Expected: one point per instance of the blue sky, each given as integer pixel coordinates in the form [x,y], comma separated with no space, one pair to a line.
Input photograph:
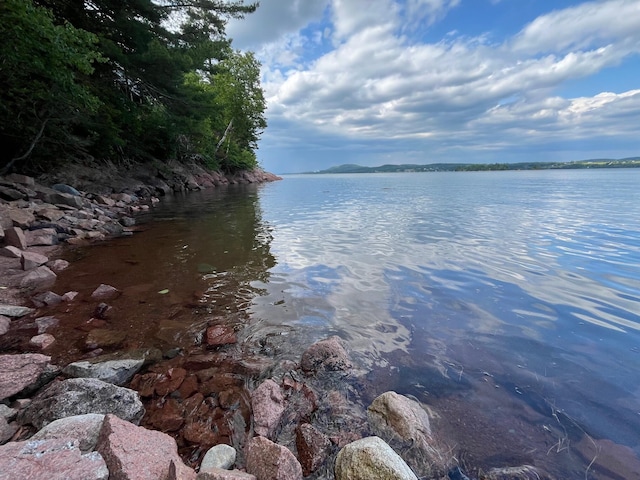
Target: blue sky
[426,81]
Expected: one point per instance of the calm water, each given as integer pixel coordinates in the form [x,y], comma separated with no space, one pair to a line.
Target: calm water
[509,301]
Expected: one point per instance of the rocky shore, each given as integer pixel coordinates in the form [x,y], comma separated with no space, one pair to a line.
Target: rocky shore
[223,410]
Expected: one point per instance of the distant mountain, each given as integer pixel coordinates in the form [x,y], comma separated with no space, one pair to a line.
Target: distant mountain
[631,162]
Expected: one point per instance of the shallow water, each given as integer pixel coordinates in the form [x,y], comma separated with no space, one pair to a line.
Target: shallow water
[509,301]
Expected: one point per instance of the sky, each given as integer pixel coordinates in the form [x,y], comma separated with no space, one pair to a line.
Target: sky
[373,82]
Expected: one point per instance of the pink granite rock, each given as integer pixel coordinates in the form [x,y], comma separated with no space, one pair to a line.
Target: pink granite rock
[328,354]
[42,341]
[11,252]
[39,279]
[27,371]
[58,265]
[14,237]
[105,292]
[221,474]
[313,447]
[49,459]
[268,404]
[270,461]
[42,236]
[133,452]
[31,260]
[5,323]
[220,335]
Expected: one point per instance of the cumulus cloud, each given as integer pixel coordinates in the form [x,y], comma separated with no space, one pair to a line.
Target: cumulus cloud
[372,83]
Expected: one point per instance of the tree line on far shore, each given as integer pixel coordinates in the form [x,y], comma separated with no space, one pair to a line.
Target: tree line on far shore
[126,81]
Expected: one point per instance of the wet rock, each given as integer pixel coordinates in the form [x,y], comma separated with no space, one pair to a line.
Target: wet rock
[268,404]
[221,474]
[270,461]
[31,260]
[42,341]
[170,381]
[133,452]
[105,292]
[328,354]
[523,472]
[78,396]
[127,222]
[21,217]
[83,428]
[24,373]
[104,338]
[219,456]
[369,458]
[167,416]
[46,299]
[11,252]
[48,459]
[39,279]
[14,237]
[14,310]
[102,311]
[405,425]
[313,447]
[218,335]
[58,265]
[42,236]
[117,372]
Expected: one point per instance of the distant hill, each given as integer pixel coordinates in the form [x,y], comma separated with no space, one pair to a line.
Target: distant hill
[631,162]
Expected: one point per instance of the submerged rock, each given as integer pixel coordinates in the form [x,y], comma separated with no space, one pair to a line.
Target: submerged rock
[328,354]
[313,447]
[268,404]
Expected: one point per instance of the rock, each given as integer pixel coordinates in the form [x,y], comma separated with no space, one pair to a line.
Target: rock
[102,337]
[14,310]
[105,292]
[5,323]
[220,335]
[11,252]
[221,474]
[39,279]
[22,179]
[42,236]
[7,430]
[21,217]
[50,459]
[24,373]
[48,195]
[117,372]
[14,237]
[369,458]
[50,213]
[267,403]
[48,298]
[61,187]
[78,396]
[133,452]
[11,194]
[523,472]
[127,222]
[58,265]
[69,296]
[42,341]
[31,260]
[167,416]
[83,428]
[404,425]
[270,461]
[219,456]
[46,323]
[328,354]
[313,447]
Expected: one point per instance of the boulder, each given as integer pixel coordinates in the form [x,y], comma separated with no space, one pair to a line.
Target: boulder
[42,341]
[14,237]
[31,260]
[7,430]
[24,373]
[118,371]
[48,195]
[328,354]
[58,265]
[405,425]
[45,299]
[221,474]
[39,279]
[369,458]
[133,452]
[21,217]
[83,428]
[5,323]
[78,396]
[11,194]
[14,310]
[46,323]
[11,252]
[270,461]
[50,213]
[313,447]
[105,292]
[219,456]
[21,179]
[42,236]
[268,404]
[50,459]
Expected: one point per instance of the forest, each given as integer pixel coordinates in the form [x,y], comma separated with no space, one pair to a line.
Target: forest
[126,81]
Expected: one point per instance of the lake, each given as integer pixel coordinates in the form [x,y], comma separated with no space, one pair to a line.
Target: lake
[507,301]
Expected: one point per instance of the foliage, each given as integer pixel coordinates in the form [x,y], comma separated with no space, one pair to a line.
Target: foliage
[122,81]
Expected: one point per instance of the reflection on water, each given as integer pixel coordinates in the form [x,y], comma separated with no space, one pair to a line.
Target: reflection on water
[508,300]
